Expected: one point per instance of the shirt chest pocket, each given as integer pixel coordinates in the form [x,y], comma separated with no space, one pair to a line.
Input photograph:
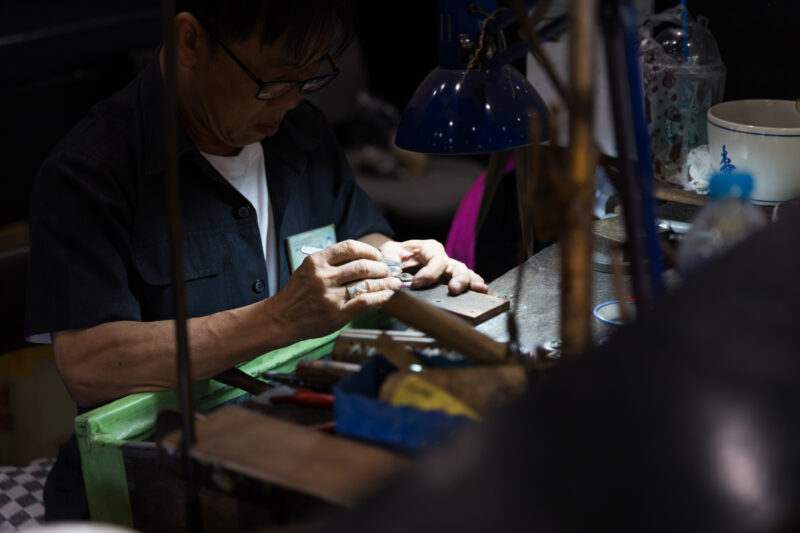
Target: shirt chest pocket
[204,256]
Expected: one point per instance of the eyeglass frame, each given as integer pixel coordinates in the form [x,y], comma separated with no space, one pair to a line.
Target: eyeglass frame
[291,83]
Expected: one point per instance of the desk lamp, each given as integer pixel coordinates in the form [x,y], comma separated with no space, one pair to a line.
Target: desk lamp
[474,101]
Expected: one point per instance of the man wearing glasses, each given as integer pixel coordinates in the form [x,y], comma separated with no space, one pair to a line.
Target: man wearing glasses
[258,165]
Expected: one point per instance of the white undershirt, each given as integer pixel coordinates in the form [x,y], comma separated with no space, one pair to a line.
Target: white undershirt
[247,173]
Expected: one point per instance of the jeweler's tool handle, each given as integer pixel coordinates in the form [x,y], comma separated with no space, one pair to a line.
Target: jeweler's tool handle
[315,399]
[447,328]
[324,371]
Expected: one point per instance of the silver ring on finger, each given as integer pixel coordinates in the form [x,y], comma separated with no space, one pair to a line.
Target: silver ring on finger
[355,288]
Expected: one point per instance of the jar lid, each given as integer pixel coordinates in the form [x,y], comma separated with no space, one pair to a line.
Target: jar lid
[701,47]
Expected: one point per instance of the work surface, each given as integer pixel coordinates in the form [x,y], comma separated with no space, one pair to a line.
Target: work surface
[333,469]
[539,306]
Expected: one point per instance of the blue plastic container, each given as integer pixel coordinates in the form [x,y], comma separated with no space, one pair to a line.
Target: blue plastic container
[360,414]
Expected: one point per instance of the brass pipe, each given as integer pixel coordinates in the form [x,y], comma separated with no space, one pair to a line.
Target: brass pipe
[576,280]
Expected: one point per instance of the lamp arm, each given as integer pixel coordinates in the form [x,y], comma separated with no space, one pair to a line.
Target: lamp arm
[504,17]
[549,32]
[531,36]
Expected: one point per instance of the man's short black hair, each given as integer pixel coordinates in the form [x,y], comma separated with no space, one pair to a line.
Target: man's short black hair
[309,25]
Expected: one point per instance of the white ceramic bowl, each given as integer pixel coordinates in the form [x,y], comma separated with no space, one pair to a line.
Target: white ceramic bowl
[761,137]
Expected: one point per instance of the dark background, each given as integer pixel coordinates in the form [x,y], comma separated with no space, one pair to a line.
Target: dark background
[757,40]
[59,57]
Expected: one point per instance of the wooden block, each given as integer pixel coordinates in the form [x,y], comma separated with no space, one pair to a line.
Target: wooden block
[475,307]
[451,329]
[334,469]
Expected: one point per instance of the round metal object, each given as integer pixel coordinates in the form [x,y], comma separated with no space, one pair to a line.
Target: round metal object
[355,288]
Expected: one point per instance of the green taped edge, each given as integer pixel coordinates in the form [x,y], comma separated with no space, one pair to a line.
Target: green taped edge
[102,431]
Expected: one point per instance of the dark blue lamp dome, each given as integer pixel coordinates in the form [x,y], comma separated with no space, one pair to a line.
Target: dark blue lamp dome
[470,111]
[459,110]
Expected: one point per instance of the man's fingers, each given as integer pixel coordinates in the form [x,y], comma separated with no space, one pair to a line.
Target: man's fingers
[432,255]
[368,301]
[348,251]
[465,282]
[478,284]
[463,279]
[457,268]
[459,277]
[378,285]
[430,273]
[400,251]
[458,285]
[436,263]
[361,269]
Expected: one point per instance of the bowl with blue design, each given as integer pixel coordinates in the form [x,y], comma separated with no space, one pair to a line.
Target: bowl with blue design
[760,137]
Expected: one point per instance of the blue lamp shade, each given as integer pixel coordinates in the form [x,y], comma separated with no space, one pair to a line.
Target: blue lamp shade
[471,111]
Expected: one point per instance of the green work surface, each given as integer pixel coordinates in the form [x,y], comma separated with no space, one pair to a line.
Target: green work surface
[102,431]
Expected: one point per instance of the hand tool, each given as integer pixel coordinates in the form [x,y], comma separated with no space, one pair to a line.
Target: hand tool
[297,383]
[315,399]
[324,371]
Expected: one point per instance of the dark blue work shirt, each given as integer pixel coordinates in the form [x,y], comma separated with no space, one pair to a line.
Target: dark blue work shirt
[99,235]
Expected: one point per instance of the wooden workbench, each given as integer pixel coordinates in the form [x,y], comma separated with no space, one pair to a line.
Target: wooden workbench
[538,308]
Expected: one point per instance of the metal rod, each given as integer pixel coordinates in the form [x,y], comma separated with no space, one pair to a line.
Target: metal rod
[172,184]
[535,45]
[576,279]
[630,184]
[627,16]
[619,284]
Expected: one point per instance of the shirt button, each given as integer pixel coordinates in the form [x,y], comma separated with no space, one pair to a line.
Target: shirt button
[243,212]
[258,286]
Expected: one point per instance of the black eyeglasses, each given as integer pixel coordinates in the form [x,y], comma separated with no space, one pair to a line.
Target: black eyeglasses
[268,90]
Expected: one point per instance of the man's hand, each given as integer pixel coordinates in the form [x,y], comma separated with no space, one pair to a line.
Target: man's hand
[435,264]
[315,301]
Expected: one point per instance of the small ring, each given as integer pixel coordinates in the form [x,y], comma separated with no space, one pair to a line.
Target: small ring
[356,288]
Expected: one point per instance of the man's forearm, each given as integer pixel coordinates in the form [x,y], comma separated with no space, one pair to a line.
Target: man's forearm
[115,359]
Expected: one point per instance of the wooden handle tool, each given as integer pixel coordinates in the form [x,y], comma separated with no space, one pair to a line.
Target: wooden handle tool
[445,327]
[324,371]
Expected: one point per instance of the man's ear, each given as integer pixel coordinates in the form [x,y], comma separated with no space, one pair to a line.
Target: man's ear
[191,39]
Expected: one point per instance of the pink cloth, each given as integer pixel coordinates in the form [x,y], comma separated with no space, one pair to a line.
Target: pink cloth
[460,242]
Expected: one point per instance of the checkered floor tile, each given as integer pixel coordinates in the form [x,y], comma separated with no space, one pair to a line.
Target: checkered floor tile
[21,503]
